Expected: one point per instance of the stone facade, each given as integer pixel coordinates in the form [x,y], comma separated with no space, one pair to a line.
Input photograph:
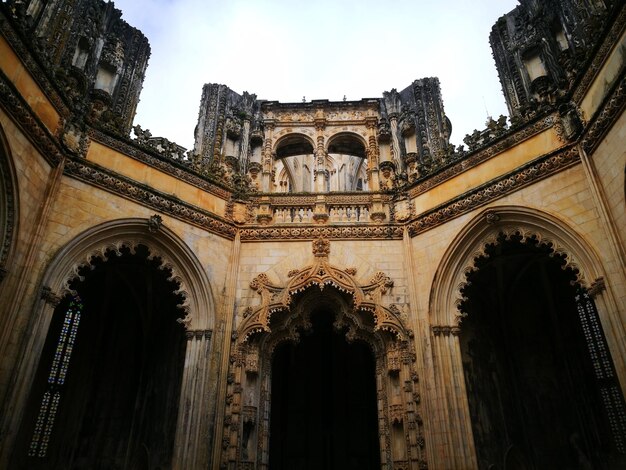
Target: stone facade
[282,210]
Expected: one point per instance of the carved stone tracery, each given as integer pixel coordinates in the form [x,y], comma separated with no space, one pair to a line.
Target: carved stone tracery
[284,313]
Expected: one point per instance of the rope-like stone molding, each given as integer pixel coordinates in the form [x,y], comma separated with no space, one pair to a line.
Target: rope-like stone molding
[373,232]
[605,119]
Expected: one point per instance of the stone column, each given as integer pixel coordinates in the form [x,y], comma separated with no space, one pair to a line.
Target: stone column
[191,446]
[268,162]
[320,156]
[395,143]
[452,412]
[372,153]
[245,146]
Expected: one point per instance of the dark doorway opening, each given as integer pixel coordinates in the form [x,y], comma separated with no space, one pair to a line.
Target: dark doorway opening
[536,400]
[118,391]
[324,413]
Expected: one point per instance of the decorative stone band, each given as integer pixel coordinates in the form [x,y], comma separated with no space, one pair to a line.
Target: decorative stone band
[12,102]
[149,197]
[506,142]
[600,57]
[39,74]
[610,113]
[527,174]
[373,232]
[169,166]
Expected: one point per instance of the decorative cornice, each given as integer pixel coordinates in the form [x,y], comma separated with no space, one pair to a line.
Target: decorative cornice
[506,184]
[173,168]
[600,57]
[277,232]
[504,143]
[13,103]
[611,111]
[36,70]
[149,197]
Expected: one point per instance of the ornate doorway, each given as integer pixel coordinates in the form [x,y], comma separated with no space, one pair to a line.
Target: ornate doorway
[323,376]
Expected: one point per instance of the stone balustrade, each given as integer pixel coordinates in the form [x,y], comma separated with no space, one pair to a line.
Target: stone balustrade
[321,209]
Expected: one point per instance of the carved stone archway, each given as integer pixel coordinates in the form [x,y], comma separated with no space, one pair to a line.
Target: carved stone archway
[486,229]
[8,206]
[197,317]
[283,315]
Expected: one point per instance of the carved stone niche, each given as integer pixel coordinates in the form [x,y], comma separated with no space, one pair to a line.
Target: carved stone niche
[284,315]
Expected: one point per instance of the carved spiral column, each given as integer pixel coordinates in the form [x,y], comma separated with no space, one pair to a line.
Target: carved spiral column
[245,146]
[452,413]
[267,155]
[320,157]
[395,143]
[191,444]
[373,153]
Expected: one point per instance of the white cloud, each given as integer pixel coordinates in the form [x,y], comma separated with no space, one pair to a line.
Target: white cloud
[324,49]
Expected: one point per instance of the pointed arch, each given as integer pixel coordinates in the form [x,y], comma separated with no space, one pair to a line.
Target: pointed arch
[198,304]
[459,259]
[8,204]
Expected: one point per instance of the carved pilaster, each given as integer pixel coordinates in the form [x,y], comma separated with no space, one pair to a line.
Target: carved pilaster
[190,450]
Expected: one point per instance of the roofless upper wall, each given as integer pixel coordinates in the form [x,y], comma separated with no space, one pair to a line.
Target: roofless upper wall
[396,134]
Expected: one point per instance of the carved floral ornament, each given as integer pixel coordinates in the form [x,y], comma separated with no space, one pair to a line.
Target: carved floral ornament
[365,297]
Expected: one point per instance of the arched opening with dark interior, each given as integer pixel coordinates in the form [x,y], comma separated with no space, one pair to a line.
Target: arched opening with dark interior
[108,383]
[540,381]
[324,405]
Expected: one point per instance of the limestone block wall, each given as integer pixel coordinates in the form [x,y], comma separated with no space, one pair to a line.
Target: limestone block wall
[33,173]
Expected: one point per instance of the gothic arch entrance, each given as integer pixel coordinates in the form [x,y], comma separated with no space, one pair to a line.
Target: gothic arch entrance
[296,350]
[324,409]
[540,380]
[107,387]
[193,316]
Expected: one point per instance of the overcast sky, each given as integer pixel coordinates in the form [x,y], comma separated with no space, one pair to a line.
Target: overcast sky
[320,49]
